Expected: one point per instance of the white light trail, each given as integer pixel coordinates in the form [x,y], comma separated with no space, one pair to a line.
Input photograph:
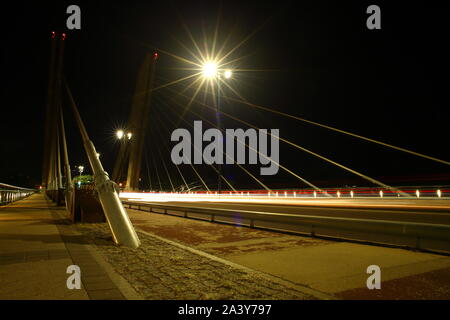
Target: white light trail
[310,200]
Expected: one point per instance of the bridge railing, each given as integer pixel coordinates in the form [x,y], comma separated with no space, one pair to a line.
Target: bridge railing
[403,192]
[9,193]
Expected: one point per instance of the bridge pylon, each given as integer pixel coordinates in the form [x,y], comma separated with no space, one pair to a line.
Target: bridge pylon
[138,121]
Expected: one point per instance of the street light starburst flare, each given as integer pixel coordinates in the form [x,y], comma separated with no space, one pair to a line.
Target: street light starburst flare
[209,69]
[228,74]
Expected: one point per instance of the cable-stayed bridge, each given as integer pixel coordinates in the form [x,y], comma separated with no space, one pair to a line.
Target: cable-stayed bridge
[414,212]
[146,182]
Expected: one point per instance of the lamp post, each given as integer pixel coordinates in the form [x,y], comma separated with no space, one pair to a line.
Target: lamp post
[80,169]
[118,167]
[210,71]
[119,134]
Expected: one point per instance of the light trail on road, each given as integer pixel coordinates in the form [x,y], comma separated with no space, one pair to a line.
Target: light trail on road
[307,201]
[342,212]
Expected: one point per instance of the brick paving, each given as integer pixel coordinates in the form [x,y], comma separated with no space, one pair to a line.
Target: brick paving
[433,285]
[37,245]
[336,268]
[160,270]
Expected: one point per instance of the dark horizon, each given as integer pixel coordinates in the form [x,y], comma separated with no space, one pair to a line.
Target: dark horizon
[316,60]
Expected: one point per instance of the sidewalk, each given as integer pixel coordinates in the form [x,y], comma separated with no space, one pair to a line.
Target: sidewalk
[185,259]
[36,247]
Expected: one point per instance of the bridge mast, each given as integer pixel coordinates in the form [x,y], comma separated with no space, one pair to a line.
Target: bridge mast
[48,115]
[138,120]
[51,167]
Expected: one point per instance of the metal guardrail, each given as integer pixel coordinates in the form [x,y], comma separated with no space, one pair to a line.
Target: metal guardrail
[10,193]
[417,231]
[402,192]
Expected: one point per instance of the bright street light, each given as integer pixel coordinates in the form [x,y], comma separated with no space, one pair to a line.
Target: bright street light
[228,74]
[129,135]
[119,134]
[210,70]
[80,169]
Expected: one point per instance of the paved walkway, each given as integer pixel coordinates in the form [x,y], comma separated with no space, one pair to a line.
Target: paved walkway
[187,259]
[37,246]
[335,268]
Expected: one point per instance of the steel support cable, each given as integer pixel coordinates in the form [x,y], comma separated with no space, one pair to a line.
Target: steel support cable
[339,130]
[192,166]
[168,150]
[157,174]
[146,141]
[217,171]
[240,166]
[148,170]
[58,151]
[162,160]
[281,166]
[210,165]
[69,186]
[65,152]
[165,168]
[196,172]
[312,153]
[52,172]
[160,155]
[328,160]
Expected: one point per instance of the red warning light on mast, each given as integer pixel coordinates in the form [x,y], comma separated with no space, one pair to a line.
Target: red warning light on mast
[155,55]
[53,34]
[63,36]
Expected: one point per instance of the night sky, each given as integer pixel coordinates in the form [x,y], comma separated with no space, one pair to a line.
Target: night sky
[313,59]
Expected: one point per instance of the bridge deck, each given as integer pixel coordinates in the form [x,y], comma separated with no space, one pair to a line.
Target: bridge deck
[187,259]
[335,268]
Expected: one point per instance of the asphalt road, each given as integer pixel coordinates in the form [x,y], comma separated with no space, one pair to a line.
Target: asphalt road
[408,211]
